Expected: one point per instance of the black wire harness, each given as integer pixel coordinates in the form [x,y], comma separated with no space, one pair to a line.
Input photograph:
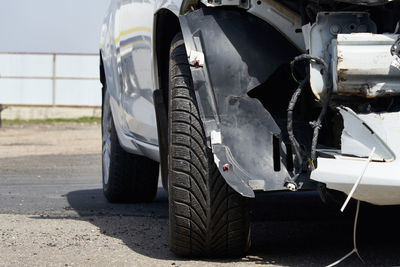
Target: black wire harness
[292,138]
[316,125]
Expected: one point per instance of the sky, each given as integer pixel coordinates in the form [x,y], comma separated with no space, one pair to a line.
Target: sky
[51,26]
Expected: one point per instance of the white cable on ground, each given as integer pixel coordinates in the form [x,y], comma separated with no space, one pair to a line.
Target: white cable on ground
[355,250]
[358,180]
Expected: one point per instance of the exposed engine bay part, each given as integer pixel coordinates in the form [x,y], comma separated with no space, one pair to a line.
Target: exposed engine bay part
[322,35]
[244,137]
[363,65]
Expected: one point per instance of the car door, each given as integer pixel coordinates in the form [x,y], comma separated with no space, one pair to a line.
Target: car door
[137,84]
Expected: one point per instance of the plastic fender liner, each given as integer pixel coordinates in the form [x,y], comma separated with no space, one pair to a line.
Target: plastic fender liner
[230,53]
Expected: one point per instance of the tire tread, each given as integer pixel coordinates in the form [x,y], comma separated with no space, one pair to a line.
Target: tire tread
[207,217]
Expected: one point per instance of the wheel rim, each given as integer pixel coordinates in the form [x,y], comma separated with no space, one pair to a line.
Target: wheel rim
[106,138]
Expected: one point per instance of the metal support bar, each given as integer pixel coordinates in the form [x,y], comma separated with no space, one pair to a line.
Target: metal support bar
[51,75]
[54,78]
[47,78]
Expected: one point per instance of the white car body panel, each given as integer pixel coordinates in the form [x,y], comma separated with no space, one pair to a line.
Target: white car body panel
[380,183]
[127,51]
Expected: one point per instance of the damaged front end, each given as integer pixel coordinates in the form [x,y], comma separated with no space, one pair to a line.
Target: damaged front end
[231,54]
[274,123]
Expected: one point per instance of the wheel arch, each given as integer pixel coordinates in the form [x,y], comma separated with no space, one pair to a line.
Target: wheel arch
[242,59]
[232,52]
[166,26]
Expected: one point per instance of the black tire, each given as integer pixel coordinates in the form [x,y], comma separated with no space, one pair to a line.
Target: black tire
[127,178]
[207,218]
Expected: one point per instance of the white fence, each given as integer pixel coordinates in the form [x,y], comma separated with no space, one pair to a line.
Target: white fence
[49,79]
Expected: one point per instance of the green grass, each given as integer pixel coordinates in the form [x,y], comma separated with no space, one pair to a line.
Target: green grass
[50,121]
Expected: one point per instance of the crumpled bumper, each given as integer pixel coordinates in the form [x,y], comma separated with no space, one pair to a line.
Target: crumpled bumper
[380,183]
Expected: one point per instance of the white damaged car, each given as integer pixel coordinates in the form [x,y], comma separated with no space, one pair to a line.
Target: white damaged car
[233,97]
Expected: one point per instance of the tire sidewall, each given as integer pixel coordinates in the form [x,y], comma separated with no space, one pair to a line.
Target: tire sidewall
[106,115]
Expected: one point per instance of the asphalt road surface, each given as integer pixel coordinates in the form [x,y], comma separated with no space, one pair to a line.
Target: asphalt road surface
[53,213]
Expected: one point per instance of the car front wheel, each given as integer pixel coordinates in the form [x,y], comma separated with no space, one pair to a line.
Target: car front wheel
[207,218]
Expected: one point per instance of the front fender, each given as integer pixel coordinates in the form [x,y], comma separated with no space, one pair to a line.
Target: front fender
[231,52]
